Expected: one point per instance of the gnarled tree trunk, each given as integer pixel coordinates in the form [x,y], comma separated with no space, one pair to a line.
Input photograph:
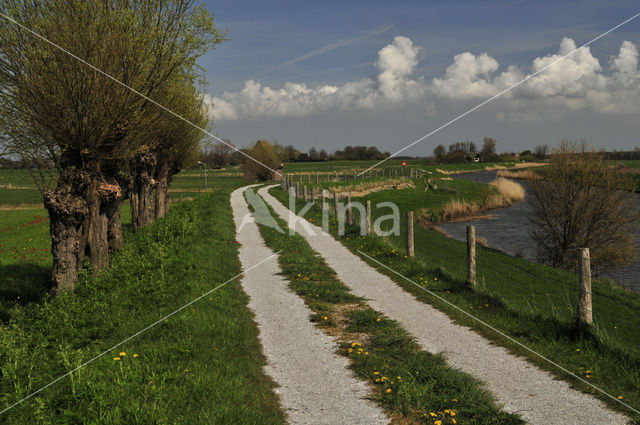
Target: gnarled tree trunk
[97,230]
[67,209]
[142,191]
[162,189]
[113,211]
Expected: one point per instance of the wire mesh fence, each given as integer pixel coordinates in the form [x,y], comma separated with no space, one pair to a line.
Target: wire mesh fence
[535,303]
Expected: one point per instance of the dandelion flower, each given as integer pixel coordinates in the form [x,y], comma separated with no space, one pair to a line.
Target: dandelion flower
[116,358]
[388,390]
[376,373]
[378,319]
[135,355]
[619,397]
[433,414]
[437,423]
[122,354]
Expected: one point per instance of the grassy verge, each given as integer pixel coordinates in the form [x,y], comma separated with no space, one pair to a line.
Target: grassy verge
[413,385]
[530,302]
[202,365]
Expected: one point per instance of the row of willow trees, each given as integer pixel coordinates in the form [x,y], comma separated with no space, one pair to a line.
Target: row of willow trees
[81,82]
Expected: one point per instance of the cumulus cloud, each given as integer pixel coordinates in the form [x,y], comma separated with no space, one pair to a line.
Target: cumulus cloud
[577,82]
[396,64]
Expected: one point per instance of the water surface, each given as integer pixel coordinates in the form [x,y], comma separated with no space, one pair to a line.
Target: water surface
[510,232]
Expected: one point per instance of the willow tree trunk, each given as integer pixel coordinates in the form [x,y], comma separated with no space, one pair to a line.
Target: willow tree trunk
[113,210]
[67,208]
[162,189]
[142,193]
[97,231]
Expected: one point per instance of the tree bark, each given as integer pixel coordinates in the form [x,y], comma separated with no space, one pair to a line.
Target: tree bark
[67,210]
[97,230]
[162,189]
[142,192]
[113,210]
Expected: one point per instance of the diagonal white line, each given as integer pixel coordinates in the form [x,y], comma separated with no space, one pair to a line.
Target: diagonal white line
[499,332]
[135,91]
[138,333]
[502,92]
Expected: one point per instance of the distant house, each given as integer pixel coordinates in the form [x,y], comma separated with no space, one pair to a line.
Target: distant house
[477,157]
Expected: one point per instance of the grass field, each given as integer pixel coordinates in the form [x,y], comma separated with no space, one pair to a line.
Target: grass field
[202,365]
[412,385]
[533,303]
[25,258]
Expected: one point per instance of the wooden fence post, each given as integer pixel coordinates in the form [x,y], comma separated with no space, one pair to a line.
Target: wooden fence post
[410,247]
[368,206]
[335,204]
[313,194]
[471,254]
[305,193]
[585,309]
[298,190]
[349,211]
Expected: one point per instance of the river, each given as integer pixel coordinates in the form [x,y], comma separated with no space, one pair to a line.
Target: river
[510,231]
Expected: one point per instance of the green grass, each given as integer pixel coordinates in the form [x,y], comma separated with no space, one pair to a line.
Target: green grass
[533,303]
[202,365]
[25,258]
[379,349]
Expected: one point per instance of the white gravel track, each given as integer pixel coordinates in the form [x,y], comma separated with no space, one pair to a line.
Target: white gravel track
[314,383]
[517,384]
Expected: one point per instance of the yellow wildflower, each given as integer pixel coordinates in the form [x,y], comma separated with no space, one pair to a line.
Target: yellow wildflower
[116,358]
[122,354]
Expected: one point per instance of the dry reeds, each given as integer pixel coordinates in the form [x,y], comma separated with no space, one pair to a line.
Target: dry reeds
[523,174]
[495,167]
[510,190]
[456,209]
[530,164]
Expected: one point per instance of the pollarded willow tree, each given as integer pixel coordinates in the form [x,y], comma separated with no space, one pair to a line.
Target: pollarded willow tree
[72,118]
[172,144]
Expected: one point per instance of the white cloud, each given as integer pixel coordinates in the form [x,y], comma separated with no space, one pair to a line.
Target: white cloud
[396,63]
[577,82]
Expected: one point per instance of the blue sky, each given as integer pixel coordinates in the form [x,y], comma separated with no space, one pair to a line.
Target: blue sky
[334,48]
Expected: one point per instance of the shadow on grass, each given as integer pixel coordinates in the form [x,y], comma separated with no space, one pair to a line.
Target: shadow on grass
[22,284]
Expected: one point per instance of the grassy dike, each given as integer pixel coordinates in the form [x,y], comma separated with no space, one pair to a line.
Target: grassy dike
[412,385]
[200,366]
[609,358]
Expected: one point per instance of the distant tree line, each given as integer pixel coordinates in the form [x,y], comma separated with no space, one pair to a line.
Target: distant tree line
[219,156]
[623,155]
[460,152]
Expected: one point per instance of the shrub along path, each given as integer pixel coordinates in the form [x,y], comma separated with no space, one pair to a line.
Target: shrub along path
[521,387]
[315,385]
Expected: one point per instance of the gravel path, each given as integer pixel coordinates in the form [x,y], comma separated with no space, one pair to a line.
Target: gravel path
[315,385]
[518,385]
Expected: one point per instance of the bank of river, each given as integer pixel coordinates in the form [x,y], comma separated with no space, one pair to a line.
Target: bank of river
[510,231]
